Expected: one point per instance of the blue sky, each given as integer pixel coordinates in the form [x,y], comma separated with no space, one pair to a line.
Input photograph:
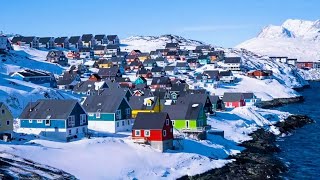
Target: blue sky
[225,22]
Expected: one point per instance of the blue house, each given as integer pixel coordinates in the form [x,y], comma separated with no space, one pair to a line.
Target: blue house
[109,112]
[57,119]
[36,77]
[204,59]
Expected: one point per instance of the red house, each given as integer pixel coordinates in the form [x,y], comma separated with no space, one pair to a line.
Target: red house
[233,100]
[155,129]
[260,74]
[302,65]
[95,77]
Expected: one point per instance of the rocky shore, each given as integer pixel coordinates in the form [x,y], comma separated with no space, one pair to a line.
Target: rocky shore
[258,160]
[280,102]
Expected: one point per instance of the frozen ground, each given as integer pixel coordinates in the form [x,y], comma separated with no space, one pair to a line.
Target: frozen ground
[110,156]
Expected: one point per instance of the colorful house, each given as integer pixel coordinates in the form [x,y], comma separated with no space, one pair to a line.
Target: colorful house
[233,99]
[154,129]
[260,74]
[108,112]
[204,59]
[189,116]
[6,123]
[57,119]
[148,104]
[61,42]
[140,80]
[36,77]
[173,46]
[250,99]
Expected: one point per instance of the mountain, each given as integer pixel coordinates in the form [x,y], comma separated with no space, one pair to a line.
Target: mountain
[150,43]
[294,38]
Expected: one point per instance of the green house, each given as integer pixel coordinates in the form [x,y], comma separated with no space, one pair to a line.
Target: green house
[140,80]
[187,116]
[204,59]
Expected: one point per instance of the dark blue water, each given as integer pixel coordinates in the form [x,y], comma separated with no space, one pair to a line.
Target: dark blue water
[301,150]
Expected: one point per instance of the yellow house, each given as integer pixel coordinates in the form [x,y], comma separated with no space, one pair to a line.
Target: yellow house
[104,63]
[6,122]
[143,56]
[144,104]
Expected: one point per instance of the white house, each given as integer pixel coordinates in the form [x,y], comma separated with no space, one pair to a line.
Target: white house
[232,63]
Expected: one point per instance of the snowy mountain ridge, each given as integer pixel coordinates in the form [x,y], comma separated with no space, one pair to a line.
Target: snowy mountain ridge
[151,43]
[294,38]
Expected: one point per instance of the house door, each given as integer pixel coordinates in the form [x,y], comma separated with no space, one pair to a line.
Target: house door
[187,124]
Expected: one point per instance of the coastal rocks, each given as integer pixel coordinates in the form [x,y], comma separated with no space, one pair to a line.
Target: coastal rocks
[258,160]
[280,102]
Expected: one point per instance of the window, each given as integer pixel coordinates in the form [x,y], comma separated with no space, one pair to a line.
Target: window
[164,133]
[69,132]
[30,121]
[117,124]
[137,132]
[2,111]
[83,119]
[71,121]
[98,115]
[47,122]
[167,122]
[147,133]
[128,111]
[77,131]
[8,122]
[122,123]
[187,124]
[39,121]
[128,122]
[118,114]
[172,122]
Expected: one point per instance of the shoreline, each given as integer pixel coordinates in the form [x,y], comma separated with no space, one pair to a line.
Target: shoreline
[280,102]
[258,160]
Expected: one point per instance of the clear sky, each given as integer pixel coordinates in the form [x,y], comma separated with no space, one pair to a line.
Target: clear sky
[220,22]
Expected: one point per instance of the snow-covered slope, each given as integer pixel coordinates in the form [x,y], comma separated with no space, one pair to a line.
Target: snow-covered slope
[151,43]
[294,38]
[15,93]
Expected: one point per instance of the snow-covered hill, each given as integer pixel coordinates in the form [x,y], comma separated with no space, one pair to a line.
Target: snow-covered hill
[294,38]
[151,43]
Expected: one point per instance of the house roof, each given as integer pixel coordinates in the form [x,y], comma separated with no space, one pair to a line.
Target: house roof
[86,37]
[207,47]
[112,71]
[103,102]
[232,60]
[159,59]
[135,63]
[85,49]
[160,80]
[60,40]
[55,53]
[99,37]
[169,68]
[232,97]
[67,78]
[212,74]
[85,86]
[49,108]
[150,120]
[178,87]
[142,71]
[149,61]
[137,102]
[182,64]
[113,46]
[157,69]
[172,45]
[183,111]
[214,99]
[203,57]
[28,39]
[44,40]
[225,73]
[193,98]
[32,73]
[172,53]
[117,59]
[248,95]
[74,39]
[99,48]
[131,57]
[16,39]
[162,50]
[192,60]
[143,54]
[111,37]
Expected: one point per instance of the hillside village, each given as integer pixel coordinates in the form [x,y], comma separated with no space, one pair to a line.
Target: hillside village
[157,98]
